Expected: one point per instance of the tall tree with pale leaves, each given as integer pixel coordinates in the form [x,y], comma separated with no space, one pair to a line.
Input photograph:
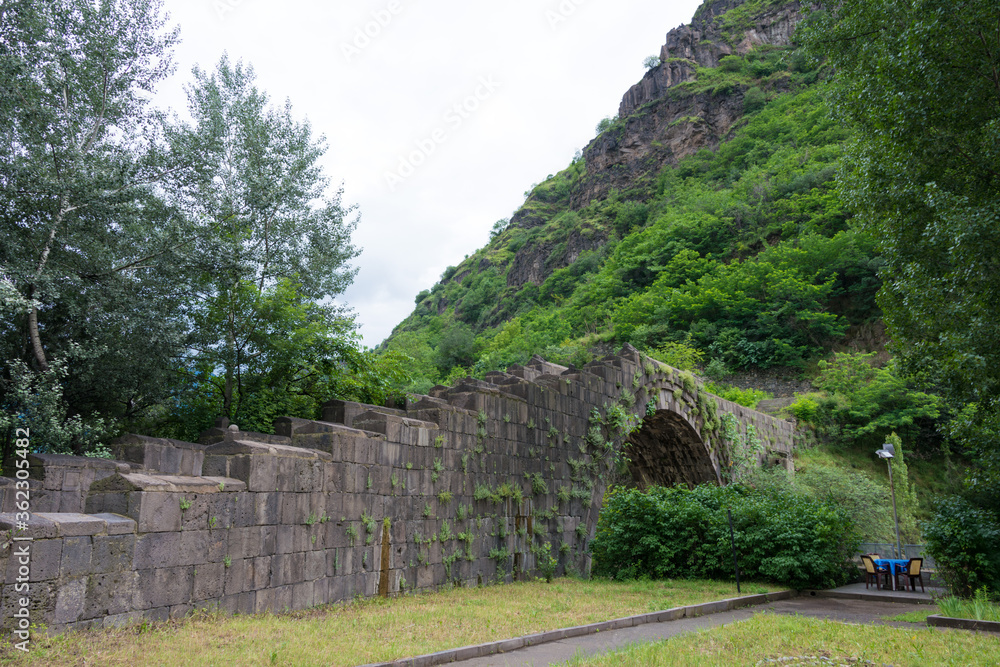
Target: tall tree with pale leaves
[86,246]
[274,244]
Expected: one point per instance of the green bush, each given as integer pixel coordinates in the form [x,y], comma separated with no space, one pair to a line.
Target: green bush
[963,540]
[679,355]
[805,409]
[867,502]
[781,535]
[753,99]
[746,397]
[731,63]
[865,403]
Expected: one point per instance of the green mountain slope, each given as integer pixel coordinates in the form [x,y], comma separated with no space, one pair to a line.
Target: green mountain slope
[703,225]
[703,221]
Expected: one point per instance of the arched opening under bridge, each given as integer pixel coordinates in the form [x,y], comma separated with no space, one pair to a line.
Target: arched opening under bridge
[668,450]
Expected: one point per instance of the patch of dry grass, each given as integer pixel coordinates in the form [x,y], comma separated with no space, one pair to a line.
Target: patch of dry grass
[373,630]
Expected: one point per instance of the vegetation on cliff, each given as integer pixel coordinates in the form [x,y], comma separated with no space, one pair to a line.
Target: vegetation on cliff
[744,253]
[763,241]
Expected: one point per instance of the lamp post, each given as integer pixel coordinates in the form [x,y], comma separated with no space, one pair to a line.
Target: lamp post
[887,452]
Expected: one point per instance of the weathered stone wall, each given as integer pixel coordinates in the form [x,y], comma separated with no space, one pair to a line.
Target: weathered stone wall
[471,484]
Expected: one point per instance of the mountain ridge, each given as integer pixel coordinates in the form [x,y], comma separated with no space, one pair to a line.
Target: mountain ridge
[697,168]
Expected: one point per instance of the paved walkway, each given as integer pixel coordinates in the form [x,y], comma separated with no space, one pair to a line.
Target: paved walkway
[839,604]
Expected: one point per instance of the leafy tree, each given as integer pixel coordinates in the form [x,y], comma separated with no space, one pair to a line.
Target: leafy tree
[275,245]
[867,404]
[499,227]
[917,82]
[606,123]
[963,539]
[456,348]
[87,250]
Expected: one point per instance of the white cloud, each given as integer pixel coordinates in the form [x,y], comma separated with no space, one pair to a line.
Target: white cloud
[557,79]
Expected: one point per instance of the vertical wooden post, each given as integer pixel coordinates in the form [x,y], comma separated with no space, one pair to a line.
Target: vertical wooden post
[383,581]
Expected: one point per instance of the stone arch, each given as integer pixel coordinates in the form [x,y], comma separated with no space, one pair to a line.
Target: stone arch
[669,450]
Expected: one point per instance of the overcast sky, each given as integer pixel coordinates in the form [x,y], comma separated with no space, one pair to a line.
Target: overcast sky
[439,114]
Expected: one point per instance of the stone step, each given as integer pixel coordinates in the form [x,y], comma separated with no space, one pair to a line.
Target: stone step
[345,412]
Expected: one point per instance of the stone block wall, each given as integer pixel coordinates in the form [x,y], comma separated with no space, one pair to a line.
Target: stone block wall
[472,484]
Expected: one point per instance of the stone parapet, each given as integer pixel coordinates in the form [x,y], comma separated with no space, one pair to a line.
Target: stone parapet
[469,485]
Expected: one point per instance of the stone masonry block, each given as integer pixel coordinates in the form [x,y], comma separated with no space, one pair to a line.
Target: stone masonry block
[267,508]
[155,511]
[158,550]
[302,541]
[45,560]
[285,542]
[286,474]
[194,548]
[263,473]
[113,553]
[308,475]
[334,472]
[38,527]
[209,581]
[315,565]
[76,557]
[289,508]
[163,587]
[71,600]
[260,573]
[288,569]
[110,594]
[303,595]
[116,524]
[244,510]
[237,576]
[268,540]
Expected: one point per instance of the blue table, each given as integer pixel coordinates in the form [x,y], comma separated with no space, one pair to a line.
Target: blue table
[892,564]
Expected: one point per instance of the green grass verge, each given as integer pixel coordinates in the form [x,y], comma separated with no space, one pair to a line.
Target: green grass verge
[373,630]
[774,639]
[979,608]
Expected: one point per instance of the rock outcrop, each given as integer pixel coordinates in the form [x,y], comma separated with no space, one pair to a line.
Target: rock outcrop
[705,41]
[661,121]
[658,127]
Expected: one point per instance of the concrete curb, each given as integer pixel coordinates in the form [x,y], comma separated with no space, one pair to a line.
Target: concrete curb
[869,597]
[962,623]
[507,645]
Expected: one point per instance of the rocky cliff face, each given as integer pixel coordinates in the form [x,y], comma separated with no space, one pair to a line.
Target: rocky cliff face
[658,127]
[706,40]
[660,122]
[670,129]
[535,262]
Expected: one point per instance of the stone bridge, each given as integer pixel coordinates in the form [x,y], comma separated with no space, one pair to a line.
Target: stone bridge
[470,484]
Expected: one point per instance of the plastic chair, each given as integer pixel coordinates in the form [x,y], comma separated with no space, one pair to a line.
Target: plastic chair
[872,571]
[914,571]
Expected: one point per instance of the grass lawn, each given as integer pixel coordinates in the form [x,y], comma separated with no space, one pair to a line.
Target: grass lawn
[373,630]
[776,639]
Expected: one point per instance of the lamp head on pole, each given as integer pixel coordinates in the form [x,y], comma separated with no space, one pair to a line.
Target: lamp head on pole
[887,451]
